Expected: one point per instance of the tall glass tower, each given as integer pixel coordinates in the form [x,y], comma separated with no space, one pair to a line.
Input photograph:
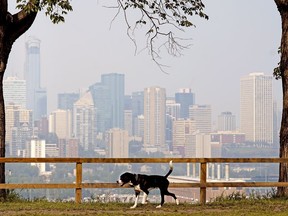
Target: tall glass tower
[108,96]
[115,84]
[185,97]
[36,96]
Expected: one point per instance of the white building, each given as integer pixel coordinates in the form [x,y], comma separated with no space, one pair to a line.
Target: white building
[202,114]
[37,149]
[182,132]
[18,121]
[139,126]
[14,91]
[256,107]
[118,143]
[154,118]
[60,122]
[199,146]
[85,121]
[173,109]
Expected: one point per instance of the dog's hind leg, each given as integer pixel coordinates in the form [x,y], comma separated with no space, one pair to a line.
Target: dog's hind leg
[173,195]
[162,199]
[136,199]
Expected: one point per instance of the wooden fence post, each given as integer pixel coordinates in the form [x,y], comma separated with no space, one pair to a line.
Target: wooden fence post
[78,190]
[203,178]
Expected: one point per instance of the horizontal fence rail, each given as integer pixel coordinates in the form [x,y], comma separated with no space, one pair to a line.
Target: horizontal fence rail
[78,185]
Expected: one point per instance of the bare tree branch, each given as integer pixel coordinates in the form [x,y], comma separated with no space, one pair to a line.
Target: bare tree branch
[162,18]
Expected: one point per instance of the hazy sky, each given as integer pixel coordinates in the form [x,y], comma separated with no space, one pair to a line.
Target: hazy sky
[240,37]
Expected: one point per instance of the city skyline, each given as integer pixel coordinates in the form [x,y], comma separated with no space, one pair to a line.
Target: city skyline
[103,97]
[160,128]
[224,48]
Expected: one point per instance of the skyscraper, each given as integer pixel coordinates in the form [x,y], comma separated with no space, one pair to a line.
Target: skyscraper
[128,121]
[202,115]
[85,122]
[108,97]
[256,107]
[226,122]
[60,123]
[182,132]
[36,96]
[185,98]
[172,114]
[18,128]
[137,103]
[115,84]
[117,143]
[154,117]
[37,149]
[67,100]
[14,90]
[100,94]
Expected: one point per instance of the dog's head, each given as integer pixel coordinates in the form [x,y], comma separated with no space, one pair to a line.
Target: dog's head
[126,178]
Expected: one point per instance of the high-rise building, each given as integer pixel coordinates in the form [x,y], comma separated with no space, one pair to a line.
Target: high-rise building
[72,148]
[202,115]
[85,122]
[256,108]
[101,99]
[37,149]
[172,114]
[36,96]
[127,102]
[60,123]
[67,100]
[19,128]
[19,137]
[115,84]
[139,126]
[226,122]
[183,129]
[154,118]
[108,97]
[16,116]
[198,145]
[14,90]
[185,97]
[173,109]
[118,143]
[137,103]
[128,121]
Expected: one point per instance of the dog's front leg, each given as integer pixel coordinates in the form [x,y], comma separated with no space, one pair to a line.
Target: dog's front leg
[144,198]
[136,199]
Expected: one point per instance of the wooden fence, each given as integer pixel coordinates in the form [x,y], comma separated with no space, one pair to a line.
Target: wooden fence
[78,185]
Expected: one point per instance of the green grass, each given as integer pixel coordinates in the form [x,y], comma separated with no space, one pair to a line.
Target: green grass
[230,207]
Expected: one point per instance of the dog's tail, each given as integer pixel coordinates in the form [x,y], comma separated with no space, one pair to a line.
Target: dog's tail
[170,170]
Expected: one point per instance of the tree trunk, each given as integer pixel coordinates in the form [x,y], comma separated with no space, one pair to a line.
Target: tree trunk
[11,27]
[5,48]
[282,6]
[2,136]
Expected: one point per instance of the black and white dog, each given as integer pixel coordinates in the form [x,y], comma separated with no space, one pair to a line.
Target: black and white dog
[145,183]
